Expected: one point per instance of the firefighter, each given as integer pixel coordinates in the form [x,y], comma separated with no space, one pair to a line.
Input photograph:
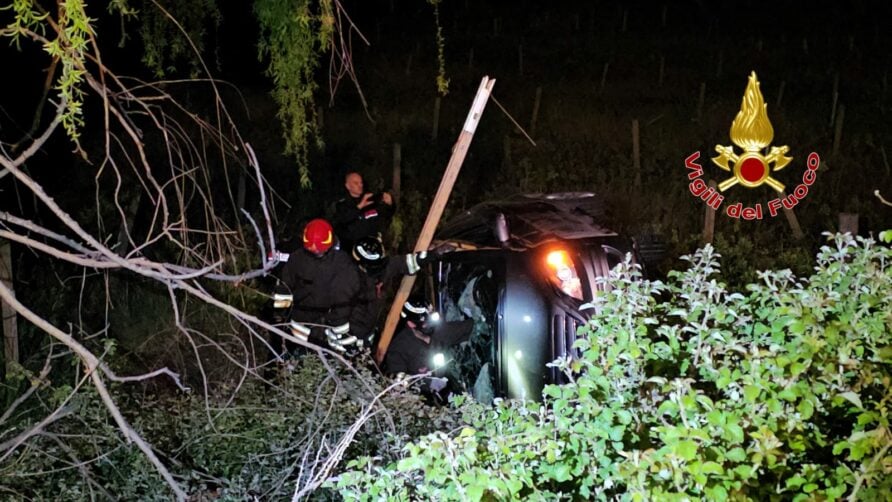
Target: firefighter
[377,273]
[320,283]
[361,214]
[421,338]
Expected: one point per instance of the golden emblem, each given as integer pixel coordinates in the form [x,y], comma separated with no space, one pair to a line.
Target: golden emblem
[752,131]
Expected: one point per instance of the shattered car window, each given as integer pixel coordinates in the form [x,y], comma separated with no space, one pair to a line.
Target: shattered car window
[472,292]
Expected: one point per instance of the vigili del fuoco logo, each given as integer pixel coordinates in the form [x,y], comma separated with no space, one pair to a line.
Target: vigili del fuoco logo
[751,131]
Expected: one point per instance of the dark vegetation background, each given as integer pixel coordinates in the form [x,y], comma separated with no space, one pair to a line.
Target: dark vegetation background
[598,67]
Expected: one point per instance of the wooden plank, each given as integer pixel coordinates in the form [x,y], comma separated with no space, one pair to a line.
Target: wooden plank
[848,223]
[459,151]
[10,329]
[792,220]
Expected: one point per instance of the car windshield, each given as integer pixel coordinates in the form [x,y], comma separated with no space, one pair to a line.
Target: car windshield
[471,291]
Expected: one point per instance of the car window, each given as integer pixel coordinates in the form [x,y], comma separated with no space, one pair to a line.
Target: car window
[471,291]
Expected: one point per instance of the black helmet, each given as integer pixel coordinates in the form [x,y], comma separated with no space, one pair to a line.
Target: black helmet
[369,254]
[415,310]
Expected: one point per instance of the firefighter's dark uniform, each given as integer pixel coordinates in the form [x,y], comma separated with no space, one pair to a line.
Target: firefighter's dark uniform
[323,291]
[373,292]
[409,353]
[351,223]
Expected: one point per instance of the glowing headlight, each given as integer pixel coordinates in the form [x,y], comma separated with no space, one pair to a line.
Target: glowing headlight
[564,273]
[439,360]
[435,316]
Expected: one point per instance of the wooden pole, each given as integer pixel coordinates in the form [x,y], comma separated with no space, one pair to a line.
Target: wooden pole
[662,70]
[709,221]
[848,223]
[436,211]
[885,159]
[397,174]
[604,77]
[837,131]
[436,118]
[792,220]
[835,99]
[636,154]
[10,329]
[535,117]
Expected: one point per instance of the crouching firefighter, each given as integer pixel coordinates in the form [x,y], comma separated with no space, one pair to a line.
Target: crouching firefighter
[320,283]
[421,341]
[377,274]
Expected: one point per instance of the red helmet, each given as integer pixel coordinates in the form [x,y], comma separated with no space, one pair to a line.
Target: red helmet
[318,236]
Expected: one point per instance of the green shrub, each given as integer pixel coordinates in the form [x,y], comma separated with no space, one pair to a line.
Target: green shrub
[686,390]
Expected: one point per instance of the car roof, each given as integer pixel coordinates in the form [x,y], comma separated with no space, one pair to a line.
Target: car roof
[530,220]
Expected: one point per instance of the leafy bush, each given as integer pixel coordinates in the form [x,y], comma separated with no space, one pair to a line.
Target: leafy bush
[686,390]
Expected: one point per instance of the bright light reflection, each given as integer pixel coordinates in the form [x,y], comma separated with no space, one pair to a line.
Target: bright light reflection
[439,360]
[527,318]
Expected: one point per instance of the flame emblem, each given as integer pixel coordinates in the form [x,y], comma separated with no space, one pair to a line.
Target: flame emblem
[752,131]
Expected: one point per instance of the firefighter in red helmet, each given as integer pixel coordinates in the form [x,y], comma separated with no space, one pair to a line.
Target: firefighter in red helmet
[322,283]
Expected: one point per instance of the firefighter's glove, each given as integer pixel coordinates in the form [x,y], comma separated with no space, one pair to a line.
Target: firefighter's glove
[415,261]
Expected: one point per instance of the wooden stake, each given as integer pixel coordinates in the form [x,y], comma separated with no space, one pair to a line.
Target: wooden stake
[535,117]
[885,159]
[780,93]
[397,174]
[792,220]
[837,132]
[835,99]
[636,154]
[436,211]
[848,223]
[10,327]
[436,118]
[604,77]
[709,220]
[701,100]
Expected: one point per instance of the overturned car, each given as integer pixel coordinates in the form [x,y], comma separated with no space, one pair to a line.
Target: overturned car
[521,269]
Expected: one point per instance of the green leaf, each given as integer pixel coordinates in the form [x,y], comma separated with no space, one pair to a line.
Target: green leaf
[806,409]
[686,449]
[736,455]
[750,393]
[853,398]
